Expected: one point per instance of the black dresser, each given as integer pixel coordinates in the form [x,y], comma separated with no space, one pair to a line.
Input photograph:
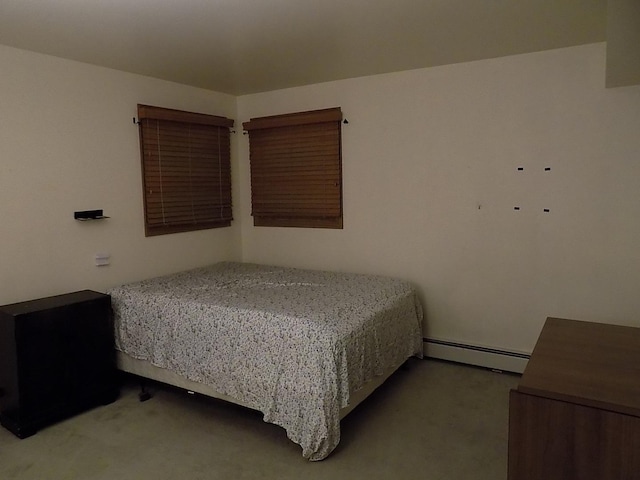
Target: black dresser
[57,358]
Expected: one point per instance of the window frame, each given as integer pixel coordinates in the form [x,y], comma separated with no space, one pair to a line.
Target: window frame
[296,169]
[193,165]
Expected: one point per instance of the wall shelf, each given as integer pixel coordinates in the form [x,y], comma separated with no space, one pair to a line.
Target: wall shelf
[86,215]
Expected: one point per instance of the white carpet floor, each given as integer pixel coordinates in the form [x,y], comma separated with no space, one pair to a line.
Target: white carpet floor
[431,421]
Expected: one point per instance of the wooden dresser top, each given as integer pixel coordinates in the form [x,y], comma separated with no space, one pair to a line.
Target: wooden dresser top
[591,364]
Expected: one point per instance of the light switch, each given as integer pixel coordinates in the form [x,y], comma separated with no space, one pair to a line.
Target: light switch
[102,259]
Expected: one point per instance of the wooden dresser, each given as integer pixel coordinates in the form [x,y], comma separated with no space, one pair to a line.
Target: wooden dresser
[576,412]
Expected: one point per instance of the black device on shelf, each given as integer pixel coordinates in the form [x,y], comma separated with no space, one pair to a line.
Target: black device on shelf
[57,358]
[89,215]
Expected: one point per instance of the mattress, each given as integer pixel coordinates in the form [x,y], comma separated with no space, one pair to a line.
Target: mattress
[294,344]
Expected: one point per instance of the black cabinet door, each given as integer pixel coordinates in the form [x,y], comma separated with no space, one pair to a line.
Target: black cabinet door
[42,363]
[91,352]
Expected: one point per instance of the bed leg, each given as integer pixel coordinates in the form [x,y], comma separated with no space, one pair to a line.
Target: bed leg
[143,396]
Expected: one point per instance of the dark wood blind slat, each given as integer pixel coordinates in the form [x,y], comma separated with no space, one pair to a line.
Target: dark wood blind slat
[295,137]
[167,114]
[194,171]
[300,118]
[316,168]
[168,200]
[295,156]
[299,212]
[275,185]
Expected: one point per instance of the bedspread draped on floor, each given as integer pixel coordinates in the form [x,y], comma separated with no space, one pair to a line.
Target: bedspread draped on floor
[290,343]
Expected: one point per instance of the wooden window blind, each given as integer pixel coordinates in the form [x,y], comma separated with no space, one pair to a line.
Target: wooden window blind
[186,170]
[296,169]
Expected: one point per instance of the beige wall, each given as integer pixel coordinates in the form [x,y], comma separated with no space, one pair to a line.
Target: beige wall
[67,143]
[430,162]
[623,43]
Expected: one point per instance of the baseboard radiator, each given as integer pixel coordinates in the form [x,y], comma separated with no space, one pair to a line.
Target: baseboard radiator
[492,358]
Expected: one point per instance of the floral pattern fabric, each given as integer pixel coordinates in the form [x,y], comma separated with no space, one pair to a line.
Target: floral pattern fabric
[291,343]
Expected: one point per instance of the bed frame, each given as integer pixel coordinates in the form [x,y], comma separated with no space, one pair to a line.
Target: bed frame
[144,369]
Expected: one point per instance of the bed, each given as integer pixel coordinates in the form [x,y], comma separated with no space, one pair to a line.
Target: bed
[301,346]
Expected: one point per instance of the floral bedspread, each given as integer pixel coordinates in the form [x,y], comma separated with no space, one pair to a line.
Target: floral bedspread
[290,343]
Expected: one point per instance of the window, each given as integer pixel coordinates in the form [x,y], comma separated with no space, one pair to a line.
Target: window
[186,170]
[296,169]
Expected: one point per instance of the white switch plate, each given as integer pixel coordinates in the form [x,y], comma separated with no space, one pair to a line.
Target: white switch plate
[102,259]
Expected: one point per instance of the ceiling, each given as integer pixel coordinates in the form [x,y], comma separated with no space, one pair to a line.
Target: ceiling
[248,46]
